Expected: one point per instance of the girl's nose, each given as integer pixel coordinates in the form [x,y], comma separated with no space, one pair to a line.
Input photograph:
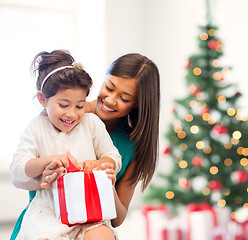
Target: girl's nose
[71,113]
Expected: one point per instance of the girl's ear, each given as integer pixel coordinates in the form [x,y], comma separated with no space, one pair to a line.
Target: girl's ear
[42,99]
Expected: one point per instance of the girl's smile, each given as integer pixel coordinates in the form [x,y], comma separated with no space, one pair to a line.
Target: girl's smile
[66,108]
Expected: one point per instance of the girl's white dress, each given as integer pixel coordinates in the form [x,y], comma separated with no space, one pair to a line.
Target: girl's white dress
[89,140]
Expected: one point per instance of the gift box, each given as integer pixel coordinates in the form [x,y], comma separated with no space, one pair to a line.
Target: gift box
[161,225]
[207,222]
[81,197]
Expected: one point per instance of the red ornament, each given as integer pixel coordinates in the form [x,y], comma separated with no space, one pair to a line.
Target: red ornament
[193,89]
[197,161]
[188,64]
[204,110]
[240,176]
[215,185]
[167,150]
[220,129]
[184,183]
[212,44]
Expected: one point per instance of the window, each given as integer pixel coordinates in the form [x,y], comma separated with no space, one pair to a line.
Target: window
[28,27]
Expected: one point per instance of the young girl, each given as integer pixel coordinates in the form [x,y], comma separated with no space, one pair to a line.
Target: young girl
[66,132]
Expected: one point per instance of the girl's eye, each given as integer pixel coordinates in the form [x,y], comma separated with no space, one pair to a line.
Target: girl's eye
[63,106]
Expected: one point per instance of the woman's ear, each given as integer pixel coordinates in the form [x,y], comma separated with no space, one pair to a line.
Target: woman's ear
[42,99]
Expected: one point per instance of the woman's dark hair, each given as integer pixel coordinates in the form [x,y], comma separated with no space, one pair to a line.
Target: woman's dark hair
[45,62]
[144,119]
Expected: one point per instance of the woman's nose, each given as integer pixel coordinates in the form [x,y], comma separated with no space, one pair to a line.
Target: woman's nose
[110,100]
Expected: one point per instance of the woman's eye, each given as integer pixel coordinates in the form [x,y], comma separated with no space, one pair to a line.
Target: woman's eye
[124,100]
[80,107]
[63,106]
[109,89]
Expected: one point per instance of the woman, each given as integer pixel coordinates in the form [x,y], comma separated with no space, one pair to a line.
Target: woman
[128,103]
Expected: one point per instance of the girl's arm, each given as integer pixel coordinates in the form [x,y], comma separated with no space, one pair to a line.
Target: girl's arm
[123,193]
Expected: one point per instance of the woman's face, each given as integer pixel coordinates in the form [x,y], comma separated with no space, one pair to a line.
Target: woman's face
[117,97]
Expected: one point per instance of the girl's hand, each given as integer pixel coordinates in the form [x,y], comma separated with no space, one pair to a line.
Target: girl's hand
[56,168]
[50,174]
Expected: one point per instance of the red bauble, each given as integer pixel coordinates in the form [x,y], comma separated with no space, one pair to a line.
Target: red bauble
[204,110]
[212,44]
[167,150]
[220,129]
[240,176]
[184,183]
[215,185]
[197,161]
[188,64]
[193,89]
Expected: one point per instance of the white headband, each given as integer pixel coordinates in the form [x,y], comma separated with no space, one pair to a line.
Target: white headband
[51,73]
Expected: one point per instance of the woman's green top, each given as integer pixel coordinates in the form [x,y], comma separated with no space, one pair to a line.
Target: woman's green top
[126,149]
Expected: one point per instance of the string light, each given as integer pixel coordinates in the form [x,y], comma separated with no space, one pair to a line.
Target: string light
[236,134]
[207,150]
[218,46]
[193,104]
[215,63]
[211,32]
[206,191]
[203,36]
[240,150]
[231,111]
[228,162]
[221,99]
[227,192]
[197,71]
[181,134]
[189,118]
[217,76]
[183,146]
[177,122]
[183,164]
[194,129]
[245,151]
[206,116]
[213,170]
[234,141]
[244,162]
[225,70]
[169,194]
[200,95]
[200,144]
[228,145]
[221,203]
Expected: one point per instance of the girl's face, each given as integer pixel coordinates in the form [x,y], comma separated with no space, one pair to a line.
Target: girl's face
[117,97]
[65,109]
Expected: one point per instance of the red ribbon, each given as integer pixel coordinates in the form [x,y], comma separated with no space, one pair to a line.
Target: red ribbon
[92,199]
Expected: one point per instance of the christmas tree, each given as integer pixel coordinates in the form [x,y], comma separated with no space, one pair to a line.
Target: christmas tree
[208,138]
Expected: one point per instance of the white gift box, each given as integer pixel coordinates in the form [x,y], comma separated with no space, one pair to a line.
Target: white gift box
[81,197]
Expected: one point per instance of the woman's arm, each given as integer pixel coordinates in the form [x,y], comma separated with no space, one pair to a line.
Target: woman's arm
[123,193]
